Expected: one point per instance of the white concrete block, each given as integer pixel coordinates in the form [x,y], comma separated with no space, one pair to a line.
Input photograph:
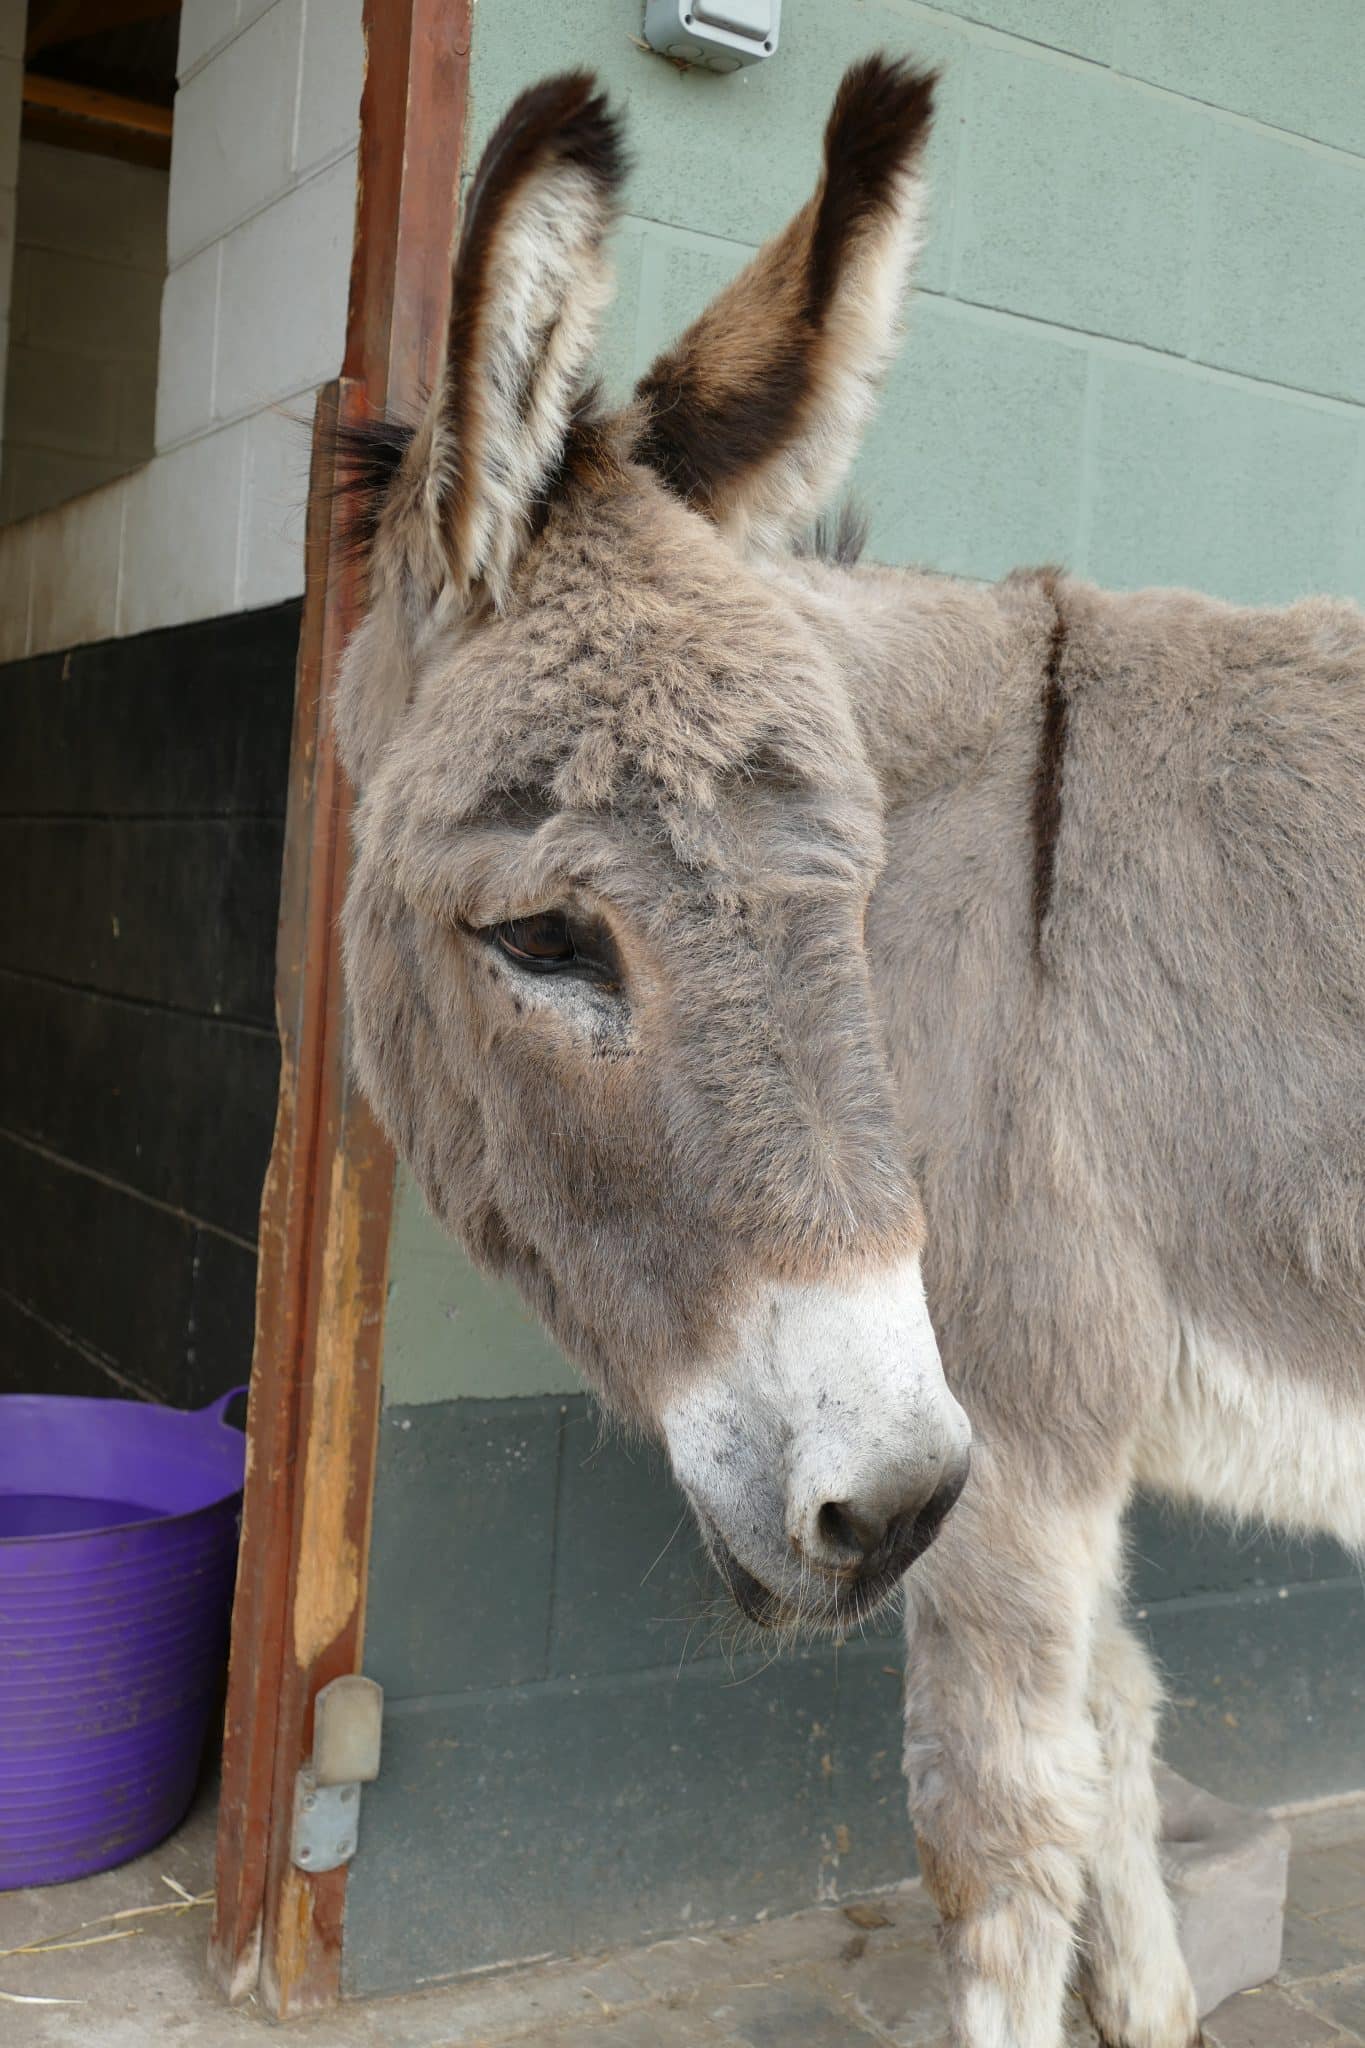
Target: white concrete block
[75,570]
[180,534]
[251,10]
[234,131]
[205,25]
[80,203]
[64,401]
[11,109]
[282,301]
[13,20]
[88,308]
[274,504]
[189,326]
[330,81]
[16,552]
[7,257]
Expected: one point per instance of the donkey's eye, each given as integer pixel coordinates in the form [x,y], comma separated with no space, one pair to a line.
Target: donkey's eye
[551,943]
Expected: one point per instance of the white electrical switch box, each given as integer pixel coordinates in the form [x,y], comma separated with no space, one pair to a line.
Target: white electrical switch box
[720,35]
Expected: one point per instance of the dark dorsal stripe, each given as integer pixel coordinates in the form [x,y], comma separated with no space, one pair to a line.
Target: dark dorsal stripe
[1050,766]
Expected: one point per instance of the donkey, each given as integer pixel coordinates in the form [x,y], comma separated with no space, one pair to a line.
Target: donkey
[870,1018]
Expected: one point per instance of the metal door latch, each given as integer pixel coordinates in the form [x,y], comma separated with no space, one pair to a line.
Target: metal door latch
[347,1718]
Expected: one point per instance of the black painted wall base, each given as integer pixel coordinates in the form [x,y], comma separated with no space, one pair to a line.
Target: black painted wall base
[573,1756]
[142,795]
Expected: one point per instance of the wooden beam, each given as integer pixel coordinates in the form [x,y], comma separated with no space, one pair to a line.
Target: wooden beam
[40,124]
[53,22]
[80,117]
[313,1425]
[87,103]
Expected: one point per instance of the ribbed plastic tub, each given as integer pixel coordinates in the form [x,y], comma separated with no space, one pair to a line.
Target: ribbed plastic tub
[118,1543]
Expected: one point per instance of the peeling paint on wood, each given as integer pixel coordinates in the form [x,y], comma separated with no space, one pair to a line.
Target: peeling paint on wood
[326,1596]
[325,1214]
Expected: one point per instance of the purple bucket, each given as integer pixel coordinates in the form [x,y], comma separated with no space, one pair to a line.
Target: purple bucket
[118,1543]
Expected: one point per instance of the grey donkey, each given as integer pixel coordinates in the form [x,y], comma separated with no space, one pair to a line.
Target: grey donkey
[882,1026]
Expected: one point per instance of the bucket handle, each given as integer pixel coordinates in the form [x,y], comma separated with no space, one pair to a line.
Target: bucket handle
[217,1410]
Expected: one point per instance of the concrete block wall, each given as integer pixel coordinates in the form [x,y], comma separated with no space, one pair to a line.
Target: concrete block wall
[1138,349]
[261,208]
[89,260]
[13,14]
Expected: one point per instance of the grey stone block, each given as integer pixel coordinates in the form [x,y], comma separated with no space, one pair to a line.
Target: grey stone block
[1228,1871]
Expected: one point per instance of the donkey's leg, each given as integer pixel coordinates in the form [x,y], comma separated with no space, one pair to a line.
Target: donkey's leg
[1002,1754]
[1132,1972]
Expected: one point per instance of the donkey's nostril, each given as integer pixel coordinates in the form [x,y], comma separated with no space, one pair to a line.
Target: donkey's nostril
[847,1536]
[882,1526]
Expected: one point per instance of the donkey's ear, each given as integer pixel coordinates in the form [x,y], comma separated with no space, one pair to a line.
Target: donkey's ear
[756,413]
[530,282]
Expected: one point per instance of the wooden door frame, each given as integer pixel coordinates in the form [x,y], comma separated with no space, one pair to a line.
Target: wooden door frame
[313,1423]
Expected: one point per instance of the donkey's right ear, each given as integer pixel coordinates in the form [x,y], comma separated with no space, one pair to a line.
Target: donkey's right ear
[755,414]
[530,282]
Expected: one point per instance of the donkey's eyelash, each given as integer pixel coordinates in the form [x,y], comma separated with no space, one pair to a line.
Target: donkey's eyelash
[552,942]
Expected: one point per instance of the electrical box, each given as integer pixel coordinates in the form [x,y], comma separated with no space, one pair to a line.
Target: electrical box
[720,35]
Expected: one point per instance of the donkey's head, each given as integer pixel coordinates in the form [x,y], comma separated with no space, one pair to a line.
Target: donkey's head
[618,834]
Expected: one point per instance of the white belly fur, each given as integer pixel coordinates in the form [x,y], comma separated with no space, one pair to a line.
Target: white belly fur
[1257,1445]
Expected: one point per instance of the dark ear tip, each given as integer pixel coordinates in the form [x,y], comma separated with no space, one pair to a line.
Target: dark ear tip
[568,119]
[886,98]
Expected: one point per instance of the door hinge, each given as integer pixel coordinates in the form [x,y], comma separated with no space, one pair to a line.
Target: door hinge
[347,1721]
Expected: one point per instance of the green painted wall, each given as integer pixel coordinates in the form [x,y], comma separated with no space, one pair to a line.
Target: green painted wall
[1139,350]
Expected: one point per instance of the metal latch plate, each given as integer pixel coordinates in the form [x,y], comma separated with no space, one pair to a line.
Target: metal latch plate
[326,1823]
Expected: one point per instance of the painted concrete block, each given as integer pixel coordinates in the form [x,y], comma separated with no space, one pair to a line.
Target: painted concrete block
[728,156]
[1201,481]
[136,437]
[13,20]
[274,502]
[460,1577]
[64,402]
[273,343]
[16,558]
[614,360]
[90,307]
[1265,1695]
[248,89]
[1086,27]
[180,534]
[7,270]
[974,463]
[1078,198]
[680,273]
[1227,1868]
[184,369]
[632,1586]
[205,25]
[11,92]
[76,554]
[36,479]
[68,200]
[1282,286]
[1296,67]
[333,69]
[560,1818]
[450,1330]
[1174,1553]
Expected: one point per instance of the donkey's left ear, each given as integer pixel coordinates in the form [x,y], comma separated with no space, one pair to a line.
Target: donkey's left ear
[756,413]
[531,280]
